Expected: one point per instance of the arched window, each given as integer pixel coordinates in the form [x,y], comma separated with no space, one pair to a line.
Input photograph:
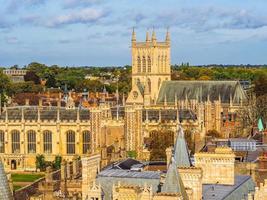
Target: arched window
[70,142]
[159,82]
[138,64]
[86,142]
[31,138]
[159,64]
[15,141]
[149,84]
[166,64]
[2,142]
[47,138]
[162,63]
[149,64]
[144,64]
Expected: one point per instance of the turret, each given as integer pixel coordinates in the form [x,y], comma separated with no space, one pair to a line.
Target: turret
[154,39]
[133,37]
[168,38]
[147,36]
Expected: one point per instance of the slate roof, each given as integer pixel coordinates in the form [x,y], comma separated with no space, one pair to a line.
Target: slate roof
[243,185]
[173,182]
[181,154]
[46,113]
[107,178]
[5,192]
[201,90]
[168,114]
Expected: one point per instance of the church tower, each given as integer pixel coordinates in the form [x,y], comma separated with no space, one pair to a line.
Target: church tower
[150,66]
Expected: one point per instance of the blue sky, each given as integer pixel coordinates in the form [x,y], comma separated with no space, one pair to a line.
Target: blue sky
[98,32]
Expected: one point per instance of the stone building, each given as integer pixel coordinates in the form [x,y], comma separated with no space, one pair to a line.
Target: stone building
[154,108]
[129,180]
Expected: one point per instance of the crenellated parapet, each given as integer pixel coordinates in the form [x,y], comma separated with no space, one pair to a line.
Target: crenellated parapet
[217,167]
[192,178]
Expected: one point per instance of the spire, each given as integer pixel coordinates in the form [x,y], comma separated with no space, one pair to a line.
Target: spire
[147,36]
[168,38]
[133,36]
[5,192]
[173,182]
[154,39]
[181,154]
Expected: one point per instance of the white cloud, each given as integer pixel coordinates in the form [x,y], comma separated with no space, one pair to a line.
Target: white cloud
[77,3]
[11,40]
[88,15]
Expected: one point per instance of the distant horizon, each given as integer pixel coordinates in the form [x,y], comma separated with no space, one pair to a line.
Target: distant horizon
[110,66]
[98,32]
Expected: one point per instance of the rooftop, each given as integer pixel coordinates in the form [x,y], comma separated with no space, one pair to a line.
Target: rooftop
[243,185]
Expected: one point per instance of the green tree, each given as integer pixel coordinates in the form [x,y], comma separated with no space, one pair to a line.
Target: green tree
[40,162]
[5,86]
[57,162]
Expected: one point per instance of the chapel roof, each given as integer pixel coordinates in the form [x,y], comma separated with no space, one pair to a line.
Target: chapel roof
[202,90]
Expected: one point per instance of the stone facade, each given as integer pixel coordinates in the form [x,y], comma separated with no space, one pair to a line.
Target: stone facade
[218,167]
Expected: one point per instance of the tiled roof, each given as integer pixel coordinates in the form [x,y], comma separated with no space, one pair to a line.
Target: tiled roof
[243,185]
[201,90]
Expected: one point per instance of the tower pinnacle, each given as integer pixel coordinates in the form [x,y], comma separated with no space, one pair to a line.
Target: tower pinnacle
[168,38]
[154,39]
[147,36]
[133,36]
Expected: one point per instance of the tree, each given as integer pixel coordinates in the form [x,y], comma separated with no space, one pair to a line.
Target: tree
[4,87]
[213,133]
[40,162]
[31,76]
[261,85]
[57,162]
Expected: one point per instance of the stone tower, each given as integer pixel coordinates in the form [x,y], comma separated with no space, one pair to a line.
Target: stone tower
[150,65]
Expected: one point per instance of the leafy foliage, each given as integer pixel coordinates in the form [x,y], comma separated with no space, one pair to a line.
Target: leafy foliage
[40,162]
[131,154]
[57,162]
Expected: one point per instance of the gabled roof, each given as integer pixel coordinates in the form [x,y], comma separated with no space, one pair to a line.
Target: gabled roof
[201,90]
[173,182]
[5,192]
[181,154]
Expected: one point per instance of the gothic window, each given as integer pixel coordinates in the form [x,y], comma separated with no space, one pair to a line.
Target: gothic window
[86,142]
[138,81]
[144,64]
[70,142]
[149,84]
[2,142]
[47,138]
[15,141]
[162,63]
[166,64]
[149,64]
[159,82]
[159,66]
[31,138]
[138,64]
